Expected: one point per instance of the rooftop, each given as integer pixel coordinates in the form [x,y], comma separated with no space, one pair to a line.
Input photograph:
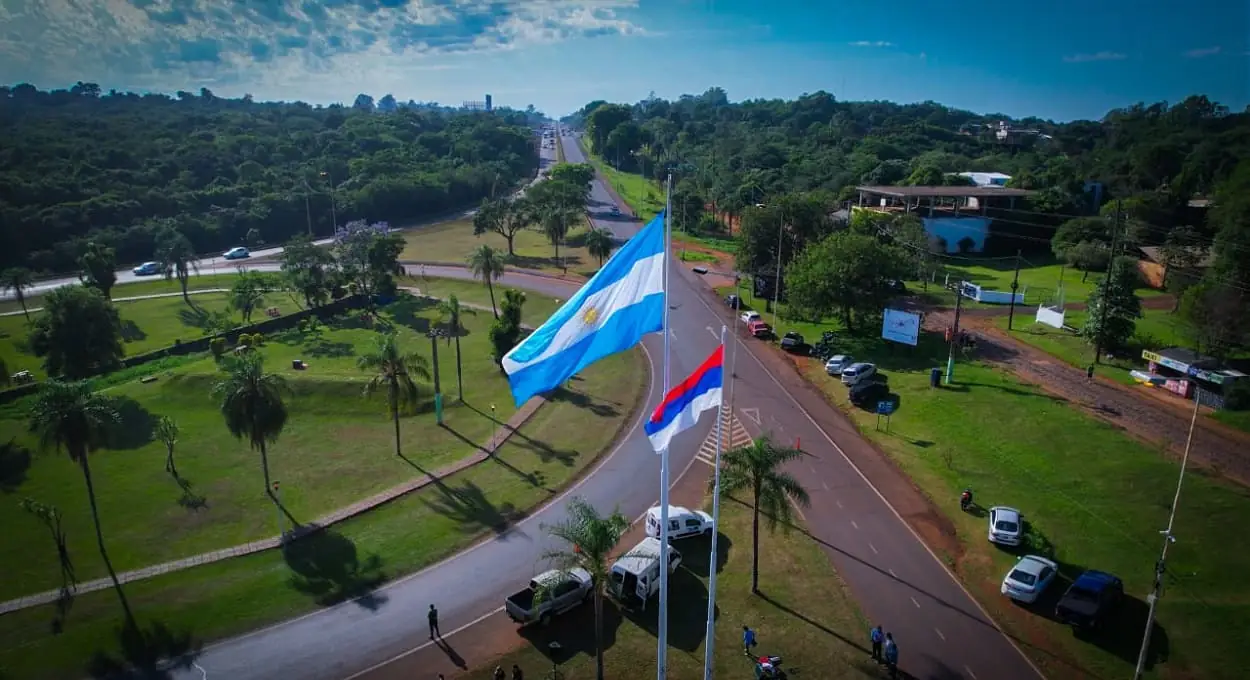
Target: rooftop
[945,192]
[1202,255]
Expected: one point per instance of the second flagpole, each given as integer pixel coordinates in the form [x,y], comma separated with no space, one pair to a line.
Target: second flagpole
[709,641]
[661,656]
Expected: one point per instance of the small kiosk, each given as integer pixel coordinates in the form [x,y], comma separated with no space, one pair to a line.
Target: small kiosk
[1182,371]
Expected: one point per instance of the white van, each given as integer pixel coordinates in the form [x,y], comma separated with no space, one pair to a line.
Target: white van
[681,522]
[857,373]
[635,576]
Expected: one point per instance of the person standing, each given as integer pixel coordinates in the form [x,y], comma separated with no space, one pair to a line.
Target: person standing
[877,637]
[748,640]
[433,617]
[516,672]
[498,674]
[891,655]
[1089,374]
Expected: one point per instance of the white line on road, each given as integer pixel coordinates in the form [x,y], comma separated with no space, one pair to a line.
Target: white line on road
[838,502]
[913,601]
[203,673]
[714,333]
[418,648]
[892,573]
[970,673]
[827,488]
[873,548]
[940,634]
[812,468]
[854,524]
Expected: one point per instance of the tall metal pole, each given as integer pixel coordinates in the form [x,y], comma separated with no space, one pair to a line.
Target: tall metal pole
[661,655]
[709,640]
[1106,285]
[1015,283]
[438,391]
[1168,539]
[950,358]
[308,209]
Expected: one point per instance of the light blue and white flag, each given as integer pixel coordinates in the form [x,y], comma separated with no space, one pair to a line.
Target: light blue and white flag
[610,314]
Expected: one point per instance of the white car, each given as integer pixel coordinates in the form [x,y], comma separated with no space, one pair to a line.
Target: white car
[147,269]
[748,317]
[1028,579]
[236,253]
[1006,525]
[856,373]
[681,522]
[838,362]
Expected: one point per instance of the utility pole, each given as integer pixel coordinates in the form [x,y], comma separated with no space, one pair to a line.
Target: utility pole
[1015,283]
[308,210]
[950,359]
[1106,283]
[777,281]
[1168,539]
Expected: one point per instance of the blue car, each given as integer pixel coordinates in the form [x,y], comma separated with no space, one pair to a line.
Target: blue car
[147,269]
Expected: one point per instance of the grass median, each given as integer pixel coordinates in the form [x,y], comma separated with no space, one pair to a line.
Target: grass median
[349,560]
[453,242]
[805,614]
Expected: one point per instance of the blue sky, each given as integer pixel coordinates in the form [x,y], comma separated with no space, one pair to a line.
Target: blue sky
[1058,60]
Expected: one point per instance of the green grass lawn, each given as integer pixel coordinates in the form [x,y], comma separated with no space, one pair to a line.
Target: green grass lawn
[1093,497]
[337,448]
[151,286]
[644,197]
[805,614]
[452,242]
[1040,279]
[230,597]
[537,307]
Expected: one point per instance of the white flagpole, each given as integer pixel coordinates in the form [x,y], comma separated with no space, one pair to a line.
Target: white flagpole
[710,637]
[661,656]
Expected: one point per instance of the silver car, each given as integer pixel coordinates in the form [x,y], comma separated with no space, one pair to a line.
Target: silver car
[838,362]
[1006,525]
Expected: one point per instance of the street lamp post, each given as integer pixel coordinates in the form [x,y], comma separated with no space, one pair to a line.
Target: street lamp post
[434,334]
[334,218]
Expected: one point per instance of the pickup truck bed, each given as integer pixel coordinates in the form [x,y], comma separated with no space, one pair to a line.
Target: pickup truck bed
[523,600]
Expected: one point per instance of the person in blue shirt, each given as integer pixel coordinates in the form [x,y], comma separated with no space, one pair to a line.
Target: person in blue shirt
[748,640]
[891,655]
[877,637]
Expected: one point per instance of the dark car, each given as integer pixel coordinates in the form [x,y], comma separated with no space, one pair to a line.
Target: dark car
[866,394]
[1089,598]
[897,287]
[793,342]
[733,301]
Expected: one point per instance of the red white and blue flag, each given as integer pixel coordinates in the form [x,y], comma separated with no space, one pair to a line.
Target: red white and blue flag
[682,405]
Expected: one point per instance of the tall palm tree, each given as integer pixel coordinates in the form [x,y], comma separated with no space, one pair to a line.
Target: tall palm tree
[599,244]
[69,417]
[452,312]
[555,226]
[177,257]
[488,265]
[757,467]
[394,369]
[18,279]
[251,403]
[591,537]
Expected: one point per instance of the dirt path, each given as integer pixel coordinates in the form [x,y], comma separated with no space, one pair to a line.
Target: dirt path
[1222,451]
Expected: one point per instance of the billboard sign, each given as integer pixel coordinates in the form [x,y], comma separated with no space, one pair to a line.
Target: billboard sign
[900,326]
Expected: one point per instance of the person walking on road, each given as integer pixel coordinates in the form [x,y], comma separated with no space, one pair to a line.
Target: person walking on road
[877,638]
[891,655]
[1089,374]
[433,617]
[748,640]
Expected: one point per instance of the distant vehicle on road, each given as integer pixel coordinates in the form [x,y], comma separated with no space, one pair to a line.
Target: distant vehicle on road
[837,363]
[236,253]
[1089,598]
[681,522]
[1006,525]
[856,373]
[615,211]
[147,269]
[760,329]
[549,594]
[1028,579]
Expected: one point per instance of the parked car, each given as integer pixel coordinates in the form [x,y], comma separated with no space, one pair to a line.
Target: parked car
[760,329]
[1089,598]
[681,522]
[236,253]
[749,316]
[549,594]
[1028,578]
[858,372]
[837,363]
[1006,525]
[897,287]
[866,394]
[616,210]
[792,341]
[147,269]
[733,301]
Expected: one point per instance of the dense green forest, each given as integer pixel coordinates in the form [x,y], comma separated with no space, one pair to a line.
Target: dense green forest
[117,166]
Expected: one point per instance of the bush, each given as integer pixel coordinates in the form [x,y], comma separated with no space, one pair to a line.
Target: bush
[1237,395]
[244,340]
[257,339]
[217,346]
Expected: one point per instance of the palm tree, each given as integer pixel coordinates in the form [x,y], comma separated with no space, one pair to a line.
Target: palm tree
[599,244]
[591,538]
[757,467]
[251,403]
[166,430]
[488,265]
[177,257]
[555,225]
[69,417]
[452,311]
[394,369]
[18,279]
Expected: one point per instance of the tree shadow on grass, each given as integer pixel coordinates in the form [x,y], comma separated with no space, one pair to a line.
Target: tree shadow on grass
[321,348]
[14,462]
[134,427]
[146,654]
[131,331]
[326,566]
[472,510]
[535,479]
[406,310]
[583,401]
[687,611]
[575,632]
[189,499]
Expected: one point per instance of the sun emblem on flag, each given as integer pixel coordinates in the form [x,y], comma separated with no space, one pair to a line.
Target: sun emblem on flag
[590,316]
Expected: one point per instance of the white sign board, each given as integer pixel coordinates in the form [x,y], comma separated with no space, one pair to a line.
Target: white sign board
[900,326]
[1050,316]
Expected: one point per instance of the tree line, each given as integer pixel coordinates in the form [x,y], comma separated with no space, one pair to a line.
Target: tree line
[120,168]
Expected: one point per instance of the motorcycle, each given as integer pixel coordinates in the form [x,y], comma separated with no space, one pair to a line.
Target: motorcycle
[769,668]
[965,500]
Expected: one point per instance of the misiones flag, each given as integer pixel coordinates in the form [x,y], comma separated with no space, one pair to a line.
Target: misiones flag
[682,405]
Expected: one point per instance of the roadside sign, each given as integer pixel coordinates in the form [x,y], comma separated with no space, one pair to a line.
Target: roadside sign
[885,408]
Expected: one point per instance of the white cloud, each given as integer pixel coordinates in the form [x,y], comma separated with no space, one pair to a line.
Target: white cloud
[273,46]
[1096,56]
[871,43]
[1203,52]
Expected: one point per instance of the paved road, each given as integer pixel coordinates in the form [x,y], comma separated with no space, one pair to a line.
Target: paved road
[941,631]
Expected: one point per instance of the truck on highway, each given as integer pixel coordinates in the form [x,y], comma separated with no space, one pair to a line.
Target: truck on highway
[549,594]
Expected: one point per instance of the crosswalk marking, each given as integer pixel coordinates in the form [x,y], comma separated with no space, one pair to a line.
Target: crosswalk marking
[735,435]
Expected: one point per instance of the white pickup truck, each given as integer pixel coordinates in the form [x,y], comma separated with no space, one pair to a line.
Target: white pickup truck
[682,522]
[549,594]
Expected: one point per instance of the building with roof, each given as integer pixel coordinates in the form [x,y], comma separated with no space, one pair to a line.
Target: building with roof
[1154,268]
[958,217]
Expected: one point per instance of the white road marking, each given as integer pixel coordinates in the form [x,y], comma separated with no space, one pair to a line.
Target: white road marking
[418,648]
[970,673]
[203,673]
[714,333]
[827,488]
[854,524]
[892,573]
[913,601]
[812,468]
[940,634]
[873,548]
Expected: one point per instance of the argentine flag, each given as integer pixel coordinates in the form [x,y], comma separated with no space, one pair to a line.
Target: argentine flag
[611,313]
